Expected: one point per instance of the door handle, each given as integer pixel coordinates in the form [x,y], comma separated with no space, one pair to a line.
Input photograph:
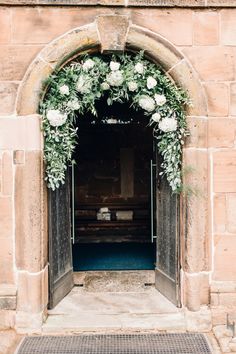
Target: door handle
[152,165]
[73,201]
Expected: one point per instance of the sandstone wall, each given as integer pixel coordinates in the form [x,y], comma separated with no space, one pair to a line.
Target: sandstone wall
[207,38]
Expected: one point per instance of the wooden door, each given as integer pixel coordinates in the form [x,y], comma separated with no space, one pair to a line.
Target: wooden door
[60,252]
[167,231]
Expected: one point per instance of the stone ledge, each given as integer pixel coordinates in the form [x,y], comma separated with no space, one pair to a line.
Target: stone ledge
[124,3]
[223,287]
[7,290]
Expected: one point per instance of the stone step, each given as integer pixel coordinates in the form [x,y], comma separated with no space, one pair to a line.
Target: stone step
[88,322]
[115,281]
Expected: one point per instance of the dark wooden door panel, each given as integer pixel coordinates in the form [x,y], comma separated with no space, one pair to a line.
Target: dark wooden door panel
[60,253]
[167,265]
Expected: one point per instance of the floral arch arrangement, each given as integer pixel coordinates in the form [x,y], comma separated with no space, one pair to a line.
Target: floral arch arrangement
[75,89]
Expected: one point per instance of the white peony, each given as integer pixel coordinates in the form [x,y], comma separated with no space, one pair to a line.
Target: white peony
[115,78]
[88,64]
[132,86]
[156,117]
[105,86]
[64,90]
[160,99]
[56,118]
[114,66]
[168,124]
[139,68]
[73,104]
[83,85]
[151,82]
[147,103]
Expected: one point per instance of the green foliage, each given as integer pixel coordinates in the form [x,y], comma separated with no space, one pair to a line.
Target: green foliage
[75,89]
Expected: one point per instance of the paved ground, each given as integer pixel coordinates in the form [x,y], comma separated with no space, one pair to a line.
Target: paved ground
[114,301]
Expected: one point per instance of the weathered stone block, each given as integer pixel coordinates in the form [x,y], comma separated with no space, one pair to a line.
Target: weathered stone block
[224,170]
[29,95]
[196,223]
[33,26]
[227,299]
[5,25]
[73,43]
[7,173]
[217,99]
[14,61]
[31,291]
[19,157]
[168,24]
[25,134]
[7,289]
[155,47]
[219,315]
[198,132]
[31,254]
[6,240]
[199,321]
[8,341]
[167,3]
[231,214]
[196,290]
[8,92]
[184,75]
[233,98]
[228,26]
[224,257]
[112,32]
[192,284]
[220,213]
[7,319]
[7,302]
[213,62]
[221,132]
[221,3]
[206,28]
[29,323]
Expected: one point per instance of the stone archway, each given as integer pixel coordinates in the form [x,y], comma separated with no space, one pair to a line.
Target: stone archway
[107,33]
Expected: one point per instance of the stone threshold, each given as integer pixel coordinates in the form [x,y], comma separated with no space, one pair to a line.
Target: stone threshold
[126,3]
[183,321]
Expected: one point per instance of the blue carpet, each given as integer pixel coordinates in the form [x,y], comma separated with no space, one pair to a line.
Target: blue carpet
[113,256]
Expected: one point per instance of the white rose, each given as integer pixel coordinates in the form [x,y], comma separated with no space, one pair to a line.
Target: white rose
[132,86]
[83,85]
[168,124]
[64,90]
[105,86]
[115,78]
[160,99]
[88,64]
[114,66]
[139,68]
[111,121]
[151,82]
[156,117]
[147,103]
[56,118]
[73,104]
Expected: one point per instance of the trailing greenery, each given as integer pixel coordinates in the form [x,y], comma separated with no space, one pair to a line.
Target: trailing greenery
[74,90]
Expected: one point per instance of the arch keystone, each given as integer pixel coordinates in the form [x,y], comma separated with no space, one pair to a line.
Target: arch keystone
[113,30]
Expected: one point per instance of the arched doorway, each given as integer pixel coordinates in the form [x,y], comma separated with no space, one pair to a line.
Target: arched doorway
[194,244]
[120,213]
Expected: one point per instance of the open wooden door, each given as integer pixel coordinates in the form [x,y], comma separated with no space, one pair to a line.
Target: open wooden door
[167,232]
[60,253]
